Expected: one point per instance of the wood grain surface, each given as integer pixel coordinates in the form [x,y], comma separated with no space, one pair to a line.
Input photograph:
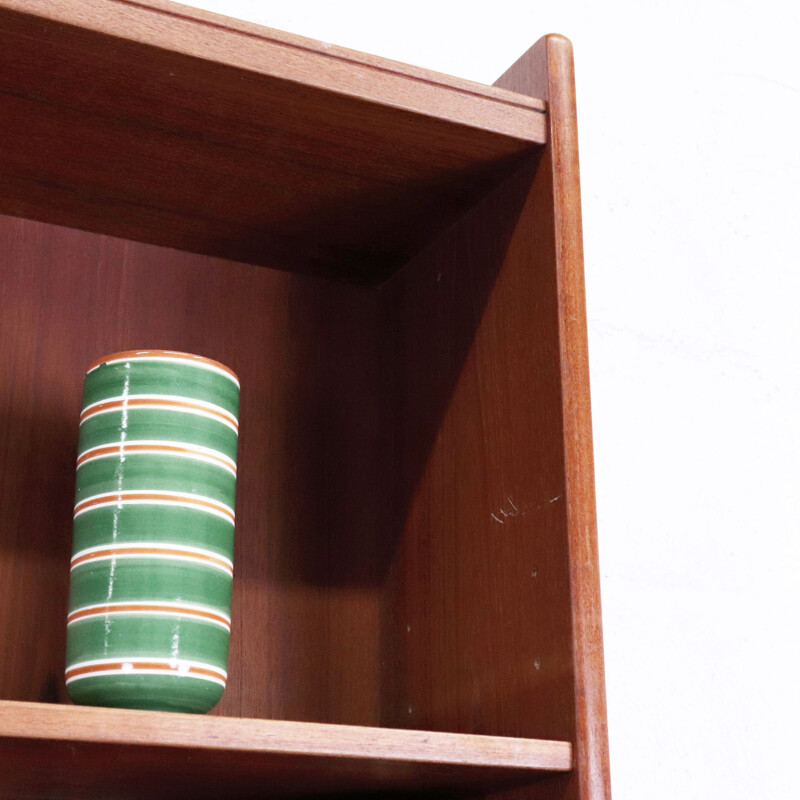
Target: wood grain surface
[477,625]
[159,754]
[415,544]
[159,123]
[193,31]
[307,573]
[547,70]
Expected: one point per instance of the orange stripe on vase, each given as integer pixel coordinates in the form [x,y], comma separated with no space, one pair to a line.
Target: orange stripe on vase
[130,607]
[143,551]
[125,448]
[157,402]
[151,666]
[157,498]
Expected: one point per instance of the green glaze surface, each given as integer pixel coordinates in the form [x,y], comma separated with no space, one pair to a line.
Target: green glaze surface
[135,579]
[154,377]
[151,692]
[155,472]
[120,636]
[149,424]
[142,523]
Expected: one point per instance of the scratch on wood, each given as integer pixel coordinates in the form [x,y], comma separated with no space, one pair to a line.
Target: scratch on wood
[509,510]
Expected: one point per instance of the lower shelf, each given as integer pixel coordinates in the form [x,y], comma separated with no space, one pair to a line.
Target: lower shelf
[70,751]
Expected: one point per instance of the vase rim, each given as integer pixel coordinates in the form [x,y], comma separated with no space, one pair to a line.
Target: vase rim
[176,355]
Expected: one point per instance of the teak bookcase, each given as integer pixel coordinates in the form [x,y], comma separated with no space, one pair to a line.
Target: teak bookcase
[391,261]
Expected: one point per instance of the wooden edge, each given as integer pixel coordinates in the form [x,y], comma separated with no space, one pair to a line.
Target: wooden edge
[247,46]
[547,70]
[81,724]
[341,53]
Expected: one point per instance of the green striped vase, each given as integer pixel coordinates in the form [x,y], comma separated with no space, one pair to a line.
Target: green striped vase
[152,553]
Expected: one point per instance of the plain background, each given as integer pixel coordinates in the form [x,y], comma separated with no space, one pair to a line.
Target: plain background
[689,123]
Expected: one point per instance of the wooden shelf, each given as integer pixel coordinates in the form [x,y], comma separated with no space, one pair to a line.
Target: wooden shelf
[416,602]
[156,122]
[107,752]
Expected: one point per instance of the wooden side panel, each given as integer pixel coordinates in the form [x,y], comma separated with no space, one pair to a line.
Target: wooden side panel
[477,628]
[547,71]
[305,615]
[491,611]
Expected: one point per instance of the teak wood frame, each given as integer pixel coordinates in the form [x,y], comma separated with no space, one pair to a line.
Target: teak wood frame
[416,544]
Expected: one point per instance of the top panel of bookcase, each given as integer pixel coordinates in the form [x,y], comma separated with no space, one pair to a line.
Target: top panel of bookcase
[160,123]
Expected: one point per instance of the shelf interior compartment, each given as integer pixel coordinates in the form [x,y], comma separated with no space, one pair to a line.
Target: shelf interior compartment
[401,557]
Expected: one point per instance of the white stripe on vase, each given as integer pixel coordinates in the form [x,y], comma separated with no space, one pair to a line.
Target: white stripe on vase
[161,447]
[155,497]
[153,550]
[144,665]
[161,402]
[152,608]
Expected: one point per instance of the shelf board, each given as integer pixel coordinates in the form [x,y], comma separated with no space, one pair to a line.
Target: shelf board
[161,123]
[55,750]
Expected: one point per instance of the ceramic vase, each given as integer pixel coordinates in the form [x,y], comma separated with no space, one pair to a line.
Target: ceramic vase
[152,558]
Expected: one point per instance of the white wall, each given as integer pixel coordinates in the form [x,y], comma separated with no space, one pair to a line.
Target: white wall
[689,118]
